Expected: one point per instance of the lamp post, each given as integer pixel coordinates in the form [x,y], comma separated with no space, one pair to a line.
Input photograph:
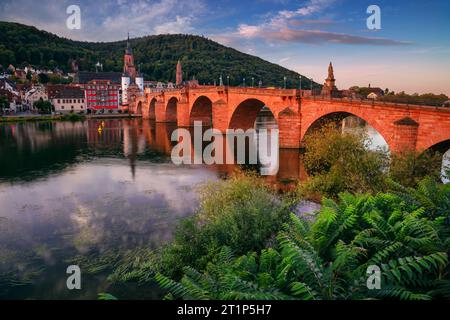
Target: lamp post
[244,82]
[284,78]
[300,84]
[253,82]
[228,81]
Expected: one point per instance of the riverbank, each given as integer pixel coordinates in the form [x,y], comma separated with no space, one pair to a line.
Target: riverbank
[67,117]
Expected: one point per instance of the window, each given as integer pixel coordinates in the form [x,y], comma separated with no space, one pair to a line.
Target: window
[59,101]
[62,107]
[72,107]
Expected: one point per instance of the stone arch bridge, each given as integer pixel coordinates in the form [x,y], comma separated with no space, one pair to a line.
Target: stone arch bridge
[402,126]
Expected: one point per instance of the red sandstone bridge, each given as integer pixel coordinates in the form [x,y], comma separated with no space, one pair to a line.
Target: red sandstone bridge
[402,126]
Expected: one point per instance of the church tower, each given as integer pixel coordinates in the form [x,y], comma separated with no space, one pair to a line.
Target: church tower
[179,74]
[128,62]
[329,87]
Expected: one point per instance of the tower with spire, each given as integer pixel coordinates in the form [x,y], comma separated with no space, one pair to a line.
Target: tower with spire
[132,81]
[128,61]
[329,87]
[179,79]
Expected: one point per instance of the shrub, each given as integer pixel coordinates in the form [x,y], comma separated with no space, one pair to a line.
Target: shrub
[328,258]
[410,167]
[341,162]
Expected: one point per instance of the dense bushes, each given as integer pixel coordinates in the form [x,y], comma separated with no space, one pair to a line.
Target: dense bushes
[342,162]
[329,258]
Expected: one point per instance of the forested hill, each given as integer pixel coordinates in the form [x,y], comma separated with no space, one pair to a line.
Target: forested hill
[157,56]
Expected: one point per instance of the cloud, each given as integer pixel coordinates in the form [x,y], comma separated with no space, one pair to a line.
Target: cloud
[179,25]
[284,27]
[318,37]
[107,20]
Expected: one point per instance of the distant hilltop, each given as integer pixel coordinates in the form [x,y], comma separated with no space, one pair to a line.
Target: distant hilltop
[155,56]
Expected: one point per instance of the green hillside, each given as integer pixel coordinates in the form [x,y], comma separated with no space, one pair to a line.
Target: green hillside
[157,56]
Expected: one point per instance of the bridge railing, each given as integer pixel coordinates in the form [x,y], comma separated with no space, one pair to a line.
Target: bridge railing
[371,102]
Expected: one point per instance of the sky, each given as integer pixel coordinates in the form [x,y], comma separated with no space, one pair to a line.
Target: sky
[410,52]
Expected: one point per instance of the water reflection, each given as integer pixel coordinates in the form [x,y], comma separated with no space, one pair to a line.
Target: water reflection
[68,189]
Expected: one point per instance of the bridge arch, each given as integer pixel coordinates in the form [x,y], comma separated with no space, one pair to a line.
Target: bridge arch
[172,110]
[139,108]
[246,112]
[443,148]
[338,114]
[201,111]
[438,144]
[152,109]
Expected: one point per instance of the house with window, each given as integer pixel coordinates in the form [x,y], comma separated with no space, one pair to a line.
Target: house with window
[69,100]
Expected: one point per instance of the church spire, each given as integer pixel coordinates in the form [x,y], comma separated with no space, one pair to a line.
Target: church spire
[128,50]
[330,72]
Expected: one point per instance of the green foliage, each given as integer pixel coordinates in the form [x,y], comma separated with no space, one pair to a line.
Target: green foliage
[157,56]
[328,259]
[4,103]
[427,99]
[106,297]
[410,167]
[241,213]
[44,107]
[341,162]
[73,117]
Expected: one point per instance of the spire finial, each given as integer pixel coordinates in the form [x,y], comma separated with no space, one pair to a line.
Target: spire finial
[330,71]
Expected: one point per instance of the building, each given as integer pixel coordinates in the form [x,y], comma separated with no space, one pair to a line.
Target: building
[53,89]
[14,101]
[69,101]
[329,88]
[374,93]
[179,79]
[35,94]
[102,95]
[130,77]
[84,77]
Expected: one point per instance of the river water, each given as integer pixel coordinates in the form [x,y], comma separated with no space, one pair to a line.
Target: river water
[71,190]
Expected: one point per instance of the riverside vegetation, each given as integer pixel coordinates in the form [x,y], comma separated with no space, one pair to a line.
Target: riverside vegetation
[247,242]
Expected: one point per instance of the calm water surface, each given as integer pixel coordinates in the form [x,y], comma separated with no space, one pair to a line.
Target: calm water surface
[69,190]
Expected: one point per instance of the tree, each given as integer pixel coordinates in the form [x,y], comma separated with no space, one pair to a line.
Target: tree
[43,78]
[4,102]
[44,107]
[339,162]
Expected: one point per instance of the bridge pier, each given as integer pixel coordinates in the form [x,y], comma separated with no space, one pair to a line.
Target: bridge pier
[183,114]
[220,117]
[289,128]
[160,111]
[405,135]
